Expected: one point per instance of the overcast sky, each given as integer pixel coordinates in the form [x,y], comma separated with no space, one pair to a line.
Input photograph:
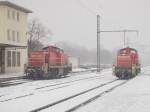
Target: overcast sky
[75,20]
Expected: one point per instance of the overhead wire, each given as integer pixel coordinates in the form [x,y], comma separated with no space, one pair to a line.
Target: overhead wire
[96,11]
[80,2]
[98,8]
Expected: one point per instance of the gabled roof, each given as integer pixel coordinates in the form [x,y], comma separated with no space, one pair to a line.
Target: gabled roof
[17,7]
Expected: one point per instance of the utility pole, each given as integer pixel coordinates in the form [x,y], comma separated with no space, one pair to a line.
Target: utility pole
[98,44]
[124,38]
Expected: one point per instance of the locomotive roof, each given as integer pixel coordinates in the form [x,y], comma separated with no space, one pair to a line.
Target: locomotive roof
[53,47]
[128,48]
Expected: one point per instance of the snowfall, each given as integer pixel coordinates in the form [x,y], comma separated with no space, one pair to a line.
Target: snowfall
[133,96]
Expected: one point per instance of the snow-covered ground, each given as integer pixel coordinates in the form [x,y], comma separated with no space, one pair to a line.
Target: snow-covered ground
[66,105]
[12,75]
[134,96]
[78,69]
[31,95]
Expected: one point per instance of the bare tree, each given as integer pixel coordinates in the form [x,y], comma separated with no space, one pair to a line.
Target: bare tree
[36,32]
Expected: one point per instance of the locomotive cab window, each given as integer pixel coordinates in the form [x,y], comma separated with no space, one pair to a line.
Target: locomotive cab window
[133,51]
[57,50]
[61,51]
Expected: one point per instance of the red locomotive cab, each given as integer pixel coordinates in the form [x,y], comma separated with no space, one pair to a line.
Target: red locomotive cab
[55,55]
[50,62]
[127,63]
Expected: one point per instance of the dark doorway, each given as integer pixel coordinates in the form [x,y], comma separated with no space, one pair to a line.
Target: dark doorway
[0,60]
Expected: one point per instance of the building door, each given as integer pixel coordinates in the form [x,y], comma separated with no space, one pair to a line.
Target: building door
[0,60]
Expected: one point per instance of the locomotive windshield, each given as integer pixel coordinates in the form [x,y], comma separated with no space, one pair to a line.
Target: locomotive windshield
[58,50]
[127,51]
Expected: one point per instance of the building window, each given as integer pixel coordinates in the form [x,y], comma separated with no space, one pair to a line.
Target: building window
[13,35]
[8,34]
[18,37]
[13,58]
[18,58]
[8,14]
[18,16]
[13,15]
[9,58]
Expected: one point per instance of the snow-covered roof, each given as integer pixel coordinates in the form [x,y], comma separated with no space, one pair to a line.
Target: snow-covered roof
[17,7]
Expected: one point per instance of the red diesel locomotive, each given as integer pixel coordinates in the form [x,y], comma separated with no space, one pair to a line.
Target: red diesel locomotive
[127,65]
[51,62]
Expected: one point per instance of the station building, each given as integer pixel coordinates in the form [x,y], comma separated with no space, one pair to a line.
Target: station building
[13,37]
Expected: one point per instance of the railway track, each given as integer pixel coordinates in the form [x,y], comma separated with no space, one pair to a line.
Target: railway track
[75,101]
[46,88]
[49,87]
[93,98]
[67,82]
[13,82]
[5,82]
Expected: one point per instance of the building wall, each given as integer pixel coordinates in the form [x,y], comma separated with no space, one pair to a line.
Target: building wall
[13,25]
[17,35]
